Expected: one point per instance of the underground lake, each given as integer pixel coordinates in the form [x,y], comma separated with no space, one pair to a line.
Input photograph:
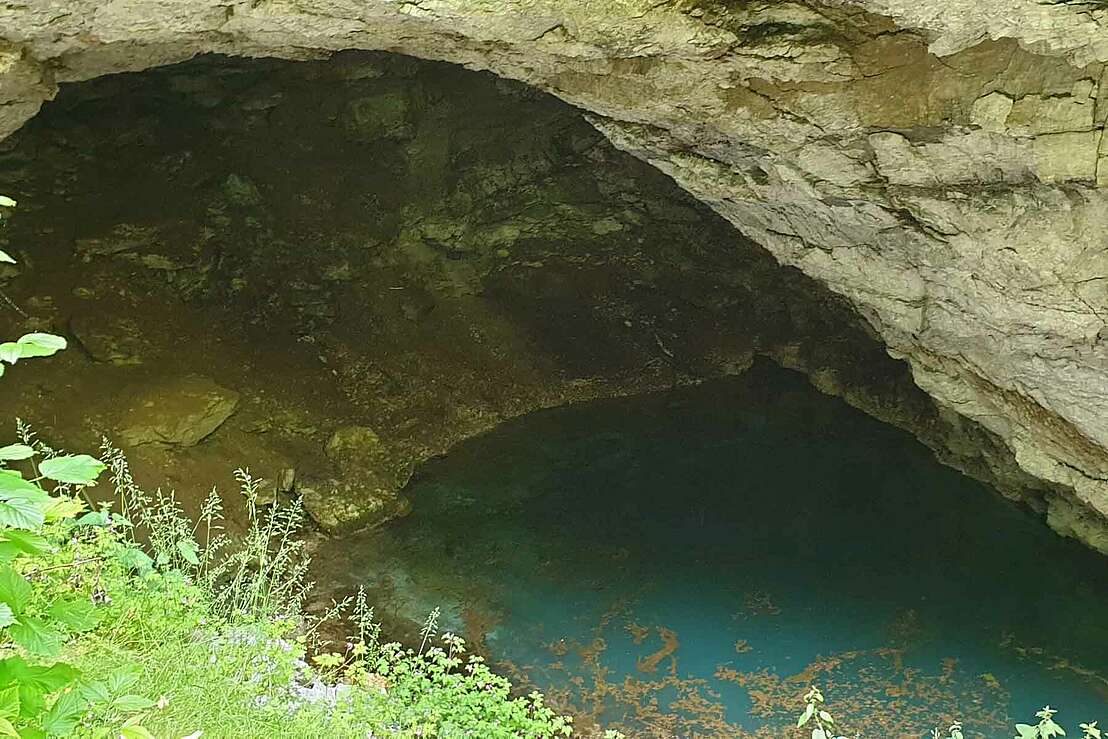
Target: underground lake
[685,564]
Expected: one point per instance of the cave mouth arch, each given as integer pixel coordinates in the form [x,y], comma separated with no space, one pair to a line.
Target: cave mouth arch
[404,251]
[345,267]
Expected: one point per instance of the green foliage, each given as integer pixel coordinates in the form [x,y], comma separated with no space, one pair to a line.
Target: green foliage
[814,712]
[1047,728]
[28,345]
[43,603]
[237,612]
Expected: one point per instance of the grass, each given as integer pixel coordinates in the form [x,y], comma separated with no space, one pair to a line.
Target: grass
[206,638]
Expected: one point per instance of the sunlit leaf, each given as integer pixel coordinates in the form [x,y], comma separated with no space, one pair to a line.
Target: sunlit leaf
[77,613]
[15,591]
[7,618]
[135,732]
[136,559]
[12,485]
[188,551]
[10,352]
[6,202]
[36,636]
[20,513]
[34,682]
[122,679]
[131,703]
[78,469]
[63,716]
[40,345]
[93,518]
[13,452]
[6,258]
[9,702]
[64,507]
[14,542]
[7,729]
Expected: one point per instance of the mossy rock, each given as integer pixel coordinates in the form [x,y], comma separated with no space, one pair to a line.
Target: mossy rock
[385,115]
[340,507]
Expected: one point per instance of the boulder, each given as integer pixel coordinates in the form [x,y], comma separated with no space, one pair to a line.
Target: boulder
[343,506]
[371,474]
[180,411]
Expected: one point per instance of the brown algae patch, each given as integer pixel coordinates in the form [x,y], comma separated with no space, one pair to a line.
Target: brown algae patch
[670,645]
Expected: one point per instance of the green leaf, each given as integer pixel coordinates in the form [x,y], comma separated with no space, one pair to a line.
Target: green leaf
[15,591]
[63,716]
[12,483]
[9,702]
[40,345]
[78,614]
[7,729]
[16,452]
[136,559]
[122,679]
[188,551]
[130,703]
[20,513]
[14,542]
[10,352]
[93,518]
[135,732]
[6,202]
[78,469]
[36,636]
[94,691]
[63,507]
[34,682]
[7,258]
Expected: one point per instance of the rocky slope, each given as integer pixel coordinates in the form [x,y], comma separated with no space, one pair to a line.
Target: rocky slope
[938,164]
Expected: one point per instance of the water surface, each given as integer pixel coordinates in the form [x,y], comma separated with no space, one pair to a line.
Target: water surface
[686,564]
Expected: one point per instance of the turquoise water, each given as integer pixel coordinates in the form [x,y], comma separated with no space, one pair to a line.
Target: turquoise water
[686,564]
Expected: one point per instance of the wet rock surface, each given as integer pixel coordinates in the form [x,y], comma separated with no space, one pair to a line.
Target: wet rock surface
[179,411]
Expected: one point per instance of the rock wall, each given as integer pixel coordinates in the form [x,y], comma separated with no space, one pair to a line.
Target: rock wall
[940,165]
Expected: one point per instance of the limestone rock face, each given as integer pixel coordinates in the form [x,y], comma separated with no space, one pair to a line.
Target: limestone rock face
[180,411]
[938,164]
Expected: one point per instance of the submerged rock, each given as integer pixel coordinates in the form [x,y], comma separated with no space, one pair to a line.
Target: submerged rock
[181,411]
[341,506]
[367,493]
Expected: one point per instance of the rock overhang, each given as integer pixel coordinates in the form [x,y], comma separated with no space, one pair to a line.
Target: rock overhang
[938,165]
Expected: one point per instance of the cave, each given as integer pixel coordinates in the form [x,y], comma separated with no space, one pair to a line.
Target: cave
[368,275]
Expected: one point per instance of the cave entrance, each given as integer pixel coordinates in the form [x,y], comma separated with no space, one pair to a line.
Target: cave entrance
[333,271]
